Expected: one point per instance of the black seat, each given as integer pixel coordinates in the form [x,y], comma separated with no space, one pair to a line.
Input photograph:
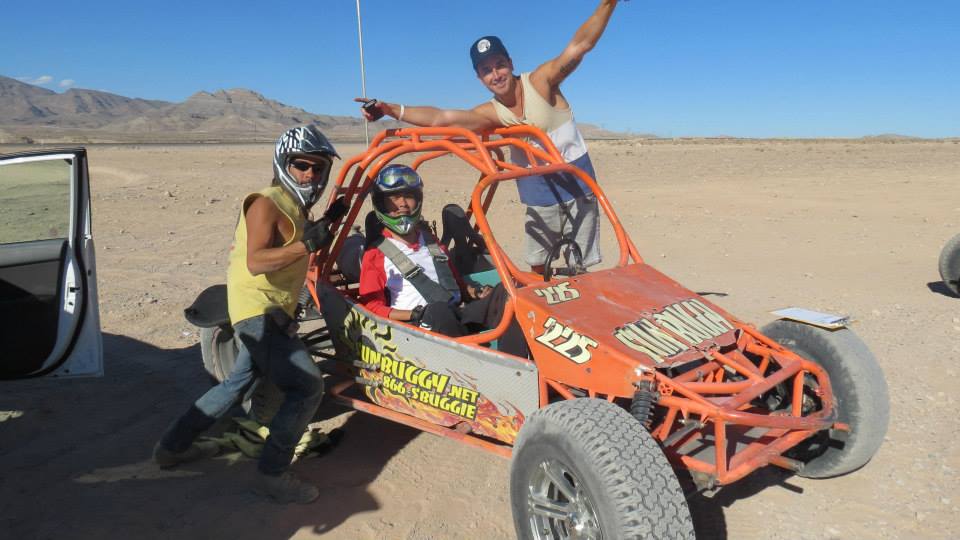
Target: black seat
[351,253]
[372,228]
[466,246]
[348,260]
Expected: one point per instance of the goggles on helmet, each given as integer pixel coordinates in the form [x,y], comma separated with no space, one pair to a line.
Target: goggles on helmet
[398,178]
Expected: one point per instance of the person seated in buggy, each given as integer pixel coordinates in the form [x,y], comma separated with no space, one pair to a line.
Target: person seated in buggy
[406,275]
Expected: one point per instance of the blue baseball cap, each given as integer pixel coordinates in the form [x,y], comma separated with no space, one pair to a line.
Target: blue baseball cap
[486,47]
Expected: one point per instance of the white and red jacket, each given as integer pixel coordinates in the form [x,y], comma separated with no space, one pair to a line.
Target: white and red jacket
[383,287]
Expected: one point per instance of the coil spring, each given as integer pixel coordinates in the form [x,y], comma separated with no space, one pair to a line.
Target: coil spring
[643,401]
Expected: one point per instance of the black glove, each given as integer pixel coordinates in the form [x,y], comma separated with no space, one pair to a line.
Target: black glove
[416,315]
[336,211]
[316,235]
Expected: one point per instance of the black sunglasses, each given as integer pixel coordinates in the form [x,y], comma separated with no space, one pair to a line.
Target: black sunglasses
[317,168]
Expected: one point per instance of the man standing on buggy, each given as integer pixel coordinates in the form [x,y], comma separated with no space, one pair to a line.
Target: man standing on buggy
[558,205]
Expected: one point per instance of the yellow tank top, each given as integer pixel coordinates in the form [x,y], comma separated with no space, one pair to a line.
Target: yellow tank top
[249,295]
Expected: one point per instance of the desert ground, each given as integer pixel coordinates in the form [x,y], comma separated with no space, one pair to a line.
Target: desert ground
[852,227]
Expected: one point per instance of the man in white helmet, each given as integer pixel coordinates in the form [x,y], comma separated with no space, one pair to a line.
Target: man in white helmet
[558,205]
[267,267]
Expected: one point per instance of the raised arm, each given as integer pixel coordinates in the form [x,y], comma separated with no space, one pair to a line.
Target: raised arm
[480,118]
[554,71]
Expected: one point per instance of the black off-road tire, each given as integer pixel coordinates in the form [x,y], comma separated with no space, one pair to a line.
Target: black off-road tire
[219,351]
[950,265]
[602,454]
[859,388]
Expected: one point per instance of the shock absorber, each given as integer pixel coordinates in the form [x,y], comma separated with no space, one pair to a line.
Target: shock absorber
[643,401]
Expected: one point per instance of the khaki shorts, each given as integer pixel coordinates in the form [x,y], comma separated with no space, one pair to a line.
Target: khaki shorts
[577,219]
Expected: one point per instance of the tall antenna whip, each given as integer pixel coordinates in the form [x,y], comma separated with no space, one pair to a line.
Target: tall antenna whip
[363,76]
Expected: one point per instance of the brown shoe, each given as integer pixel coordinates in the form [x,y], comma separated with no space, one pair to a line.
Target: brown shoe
[198,450]
[285,488]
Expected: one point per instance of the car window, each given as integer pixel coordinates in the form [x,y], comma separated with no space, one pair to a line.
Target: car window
[35,200]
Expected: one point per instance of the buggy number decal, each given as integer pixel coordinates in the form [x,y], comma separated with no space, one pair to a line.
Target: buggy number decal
[673,330]
[556,294]
[565,341]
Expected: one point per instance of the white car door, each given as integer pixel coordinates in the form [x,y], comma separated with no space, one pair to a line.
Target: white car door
[49,317]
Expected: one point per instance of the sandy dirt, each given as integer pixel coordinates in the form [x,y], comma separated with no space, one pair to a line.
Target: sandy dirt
[852,227]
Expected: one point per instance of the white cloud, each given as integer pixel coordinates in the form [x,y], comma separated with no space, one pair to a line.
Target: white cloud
[66,83]
[43,79]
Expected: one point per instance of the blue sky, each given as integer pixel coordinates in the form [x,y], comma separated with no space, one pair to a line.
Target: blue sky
[816,68]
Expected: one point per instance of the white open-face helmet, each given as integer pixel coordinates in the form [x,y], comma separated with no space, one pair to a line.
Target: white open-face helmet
[303,141]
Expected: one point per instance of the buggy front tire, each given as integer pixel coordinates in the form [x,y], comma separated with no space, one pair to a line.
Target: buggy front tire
[950,265]
[859,390]
[585,468]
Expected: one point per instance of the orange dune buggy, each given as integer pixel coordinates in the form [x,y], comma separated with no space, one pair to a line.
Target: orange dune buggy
[632,380]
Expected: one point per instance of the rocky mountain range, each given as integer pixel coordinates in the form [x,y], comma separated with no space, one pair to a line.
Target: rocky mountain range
[31,114]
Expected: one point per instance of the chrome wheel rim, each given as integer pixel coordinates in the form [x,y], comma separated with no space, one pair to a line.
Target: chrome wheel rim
[559,505]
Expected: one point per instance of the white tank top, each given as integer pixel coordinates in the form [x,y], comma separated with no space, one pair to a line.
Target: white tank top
[560,126]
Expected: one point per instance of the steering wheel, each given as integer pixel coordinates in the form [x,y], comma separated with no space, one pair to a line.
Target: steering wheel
[571,269]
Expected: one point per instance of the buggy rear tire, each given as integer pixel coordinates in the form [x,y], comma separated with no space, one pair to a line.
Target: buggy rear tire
[859,389]
[585,468]
[950,265]
[219,351]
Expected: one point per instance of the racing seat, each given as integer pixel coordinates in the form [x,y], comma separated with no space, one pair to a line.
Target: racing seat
[351,253]
[348,260]
[372,228]
[466,247]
